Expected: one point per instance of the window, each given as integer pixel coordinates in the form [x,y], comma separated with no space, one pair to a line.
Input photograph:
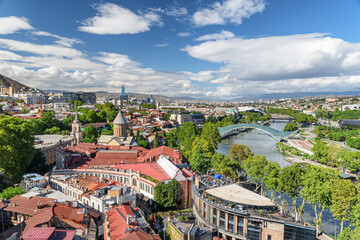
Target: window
[240,225]
[269,237]
[231,222]
[215,216]
[222,219]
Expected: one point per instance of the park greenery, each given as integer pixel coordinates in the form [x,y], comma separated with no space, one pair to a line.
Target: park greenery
[337,115]
[350,136]
[299,117]
[289,127]
[252,117]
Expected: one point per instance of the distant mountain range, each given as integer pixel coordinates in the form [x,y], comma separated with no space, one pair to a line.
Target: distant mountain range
[295,95]
[6,82]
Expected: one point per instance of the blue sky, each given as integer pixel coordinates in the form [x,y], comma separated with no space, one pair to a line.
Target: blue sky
[204,49]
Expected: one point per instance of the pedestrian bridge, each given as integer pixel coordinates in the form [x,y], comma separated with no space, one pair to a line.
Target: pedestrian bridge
[272,132]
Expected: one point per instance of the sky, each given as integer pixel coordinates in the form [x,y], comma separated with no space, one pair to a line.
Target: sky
[220,49]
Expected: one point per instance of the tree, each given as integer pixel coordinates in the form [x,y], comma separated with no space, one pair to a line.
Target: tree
[156,140]
[223,165]
[344,194]
[88,116]
[317,182]
[11,192]
[201,154]
[166,194]
[290,127]
[187,134]
[106,132]
[53,130]
[38,164]
[16,146]
[291,182]
[239,152]
[90,134]
[321,151]
[78,103]
[172,139]
[211,133]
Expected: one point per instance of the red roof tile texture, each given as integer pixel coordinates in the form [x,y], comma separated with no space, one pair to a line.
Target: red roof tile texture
[151,169]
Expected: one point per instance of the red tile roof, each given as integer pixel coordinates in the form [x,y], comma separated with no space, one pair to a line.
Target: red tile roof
[118,221]
[28,206]
[151,169]
[38,233]
[164,150]
[139,235]
[43,216]
[71,213]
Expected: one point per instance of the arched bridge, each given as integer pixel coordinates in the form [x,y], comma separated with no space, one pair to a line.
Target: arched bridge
[228,130]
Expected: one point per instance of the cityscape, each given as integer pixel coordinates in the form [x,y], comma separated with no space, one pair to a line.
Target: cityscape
[179,120]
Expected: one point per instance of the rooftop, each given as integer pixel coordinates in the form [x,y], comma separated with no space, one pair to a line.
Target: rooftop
[237,194]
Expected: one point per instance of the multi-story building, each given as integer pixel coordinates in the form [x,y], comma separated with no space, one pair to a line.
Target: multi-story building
[49,144]
[239,213]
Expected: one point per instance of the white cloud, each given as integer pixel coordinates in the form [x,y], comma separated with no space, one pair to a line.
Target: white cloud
[216,36]
[52,50]
[176,11]
[115,19]
[161,45]
[184,34]
[64,41]
[229,11]
[13,24]
[304,62]
[6,55]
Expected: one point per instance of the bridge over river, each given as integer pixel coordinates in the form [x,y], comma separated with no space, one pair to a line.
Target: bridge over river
[274,133]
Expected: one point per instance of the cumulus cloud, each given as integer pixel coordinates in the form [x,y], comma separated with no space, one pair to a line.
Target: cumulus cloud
[64,41]
[304,62]
[115,19]
[216,36]
[13,24]
[229,11]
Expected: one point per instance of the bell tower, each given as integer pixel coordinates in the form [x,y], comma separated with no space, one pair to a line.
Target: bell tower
[76,129]
[120,126]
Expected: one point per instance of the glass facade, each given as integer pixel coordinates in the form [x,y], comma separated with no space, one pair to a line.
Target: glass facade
[215,217]
[222,219]
[292,232]
[231,223]
[253,230]
[240,225]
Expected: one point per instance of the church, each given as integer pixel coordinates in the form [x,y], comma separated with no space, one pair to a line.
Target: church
[119,138]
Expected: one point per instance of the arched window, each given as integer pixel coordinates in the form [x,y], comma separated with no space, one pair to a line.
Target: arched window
[134,182]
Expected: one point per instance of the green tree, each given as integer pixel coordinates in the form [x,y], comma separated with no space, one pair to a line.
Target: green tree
[105,131]
[88,116]
[291,182]
[187,134]
[317,182]
[290,127]
[38,164]
[16,146]
[156,140]
[321,151]
[211,133]
[53,130]
[172,139]
[344,196]
[165,195]
[201,154]
[90,134]
[11,192]
[239,152]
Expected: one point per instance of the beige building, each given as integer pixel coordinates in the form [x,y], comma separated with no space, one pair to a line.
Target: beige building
[49,144]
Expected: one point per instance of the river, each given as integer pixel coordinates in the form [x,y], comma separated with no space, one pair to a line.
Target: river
[262,144]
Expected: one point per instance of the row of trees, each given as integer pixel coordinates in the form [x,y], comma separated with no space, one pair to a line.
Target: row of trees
[334,156]
[337,115]
[299,117]
[351,137]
